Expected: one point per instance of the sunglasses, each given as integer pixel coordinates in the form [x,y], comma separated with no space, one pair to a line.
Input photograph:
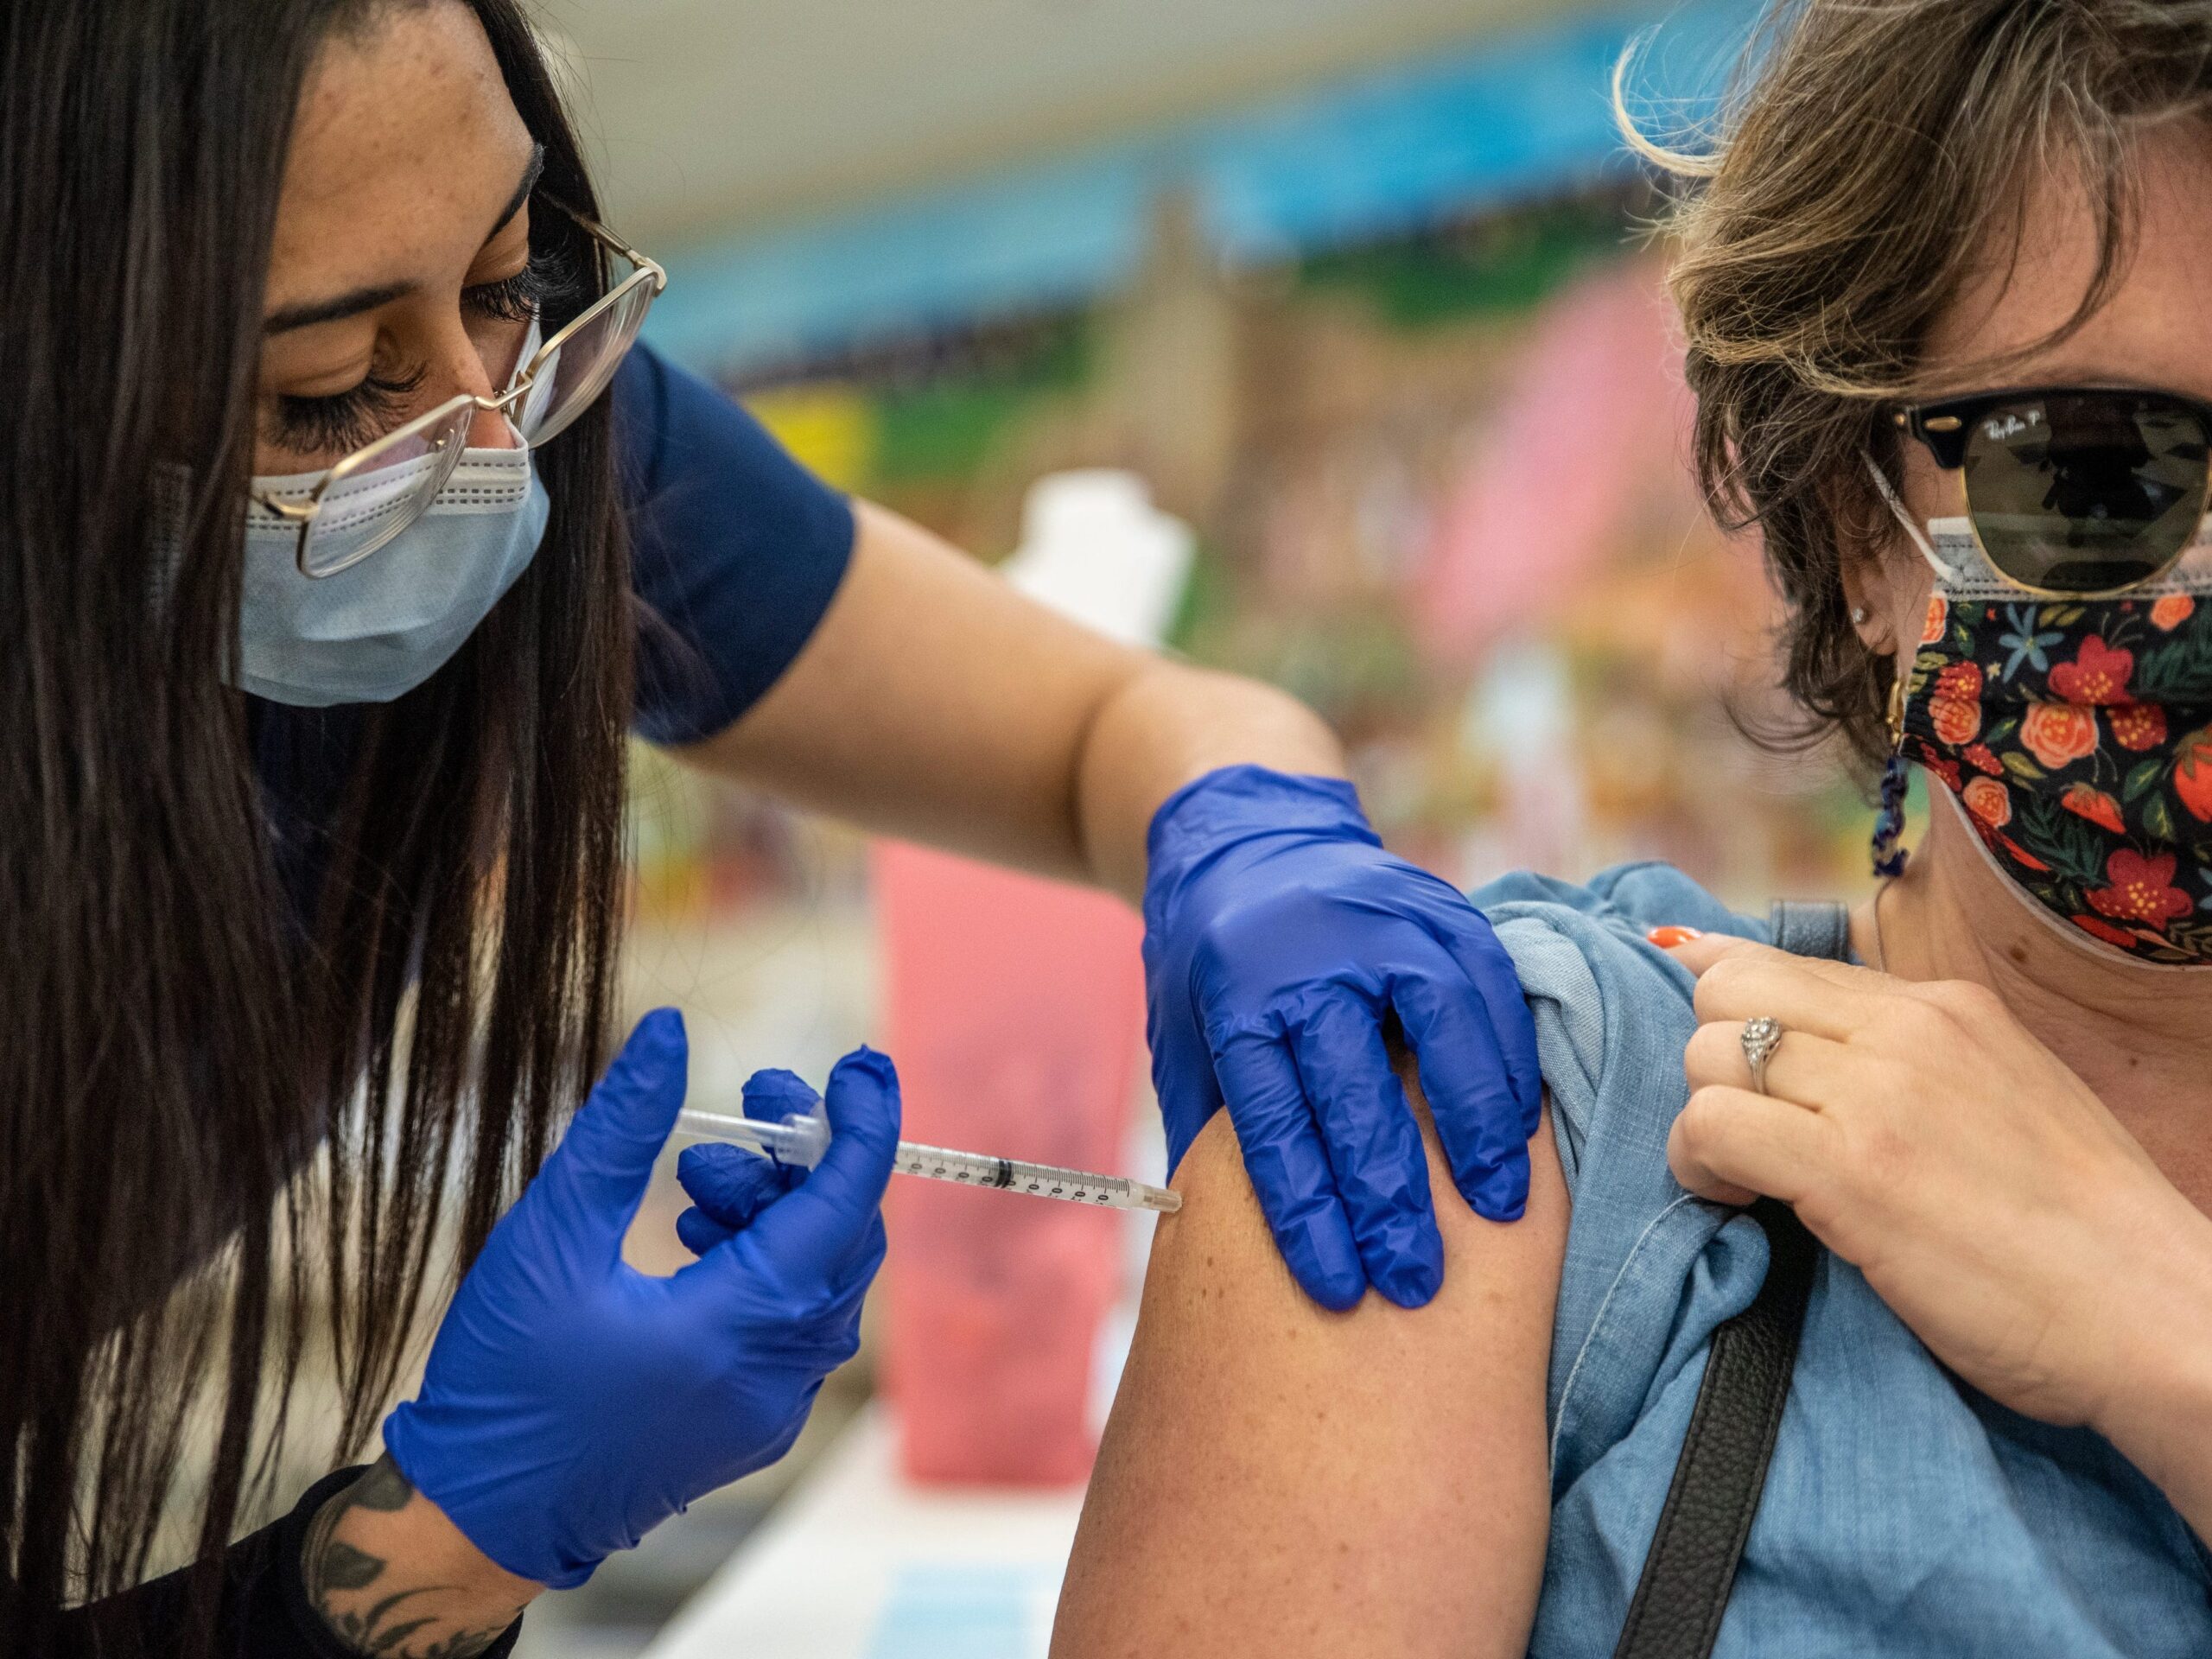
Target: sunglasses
[2075,492]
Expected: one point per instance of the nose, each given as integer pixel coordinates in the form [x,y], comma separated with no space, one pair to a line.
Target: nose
[462,364]
[501,356]
[491,430]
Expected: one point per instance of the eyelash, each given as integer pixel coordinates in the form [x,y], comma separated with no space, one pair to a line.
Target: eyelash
[518,298]
[345,421]
[348,420]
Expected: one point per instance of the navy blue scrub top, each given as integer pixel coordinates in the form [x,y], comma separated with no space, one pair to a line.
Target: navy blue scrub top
[736,549]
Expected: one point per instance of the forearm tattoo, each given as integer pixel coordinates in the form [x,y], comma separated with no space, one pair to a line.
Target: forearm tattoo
[370,1604]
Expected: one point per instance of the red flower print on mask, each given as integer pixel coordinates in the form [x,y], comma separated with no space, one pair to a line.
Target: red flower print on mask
[1960,682]
[1954,704]
[2096,677]
[2136,726]
[2106,931]
[1939,613]
[2095,805]
[1981,758]
[2171,611]
[2142,890]
[1955,720]
[2058,733]
[1988,801]
[1944,771]
[2193,774]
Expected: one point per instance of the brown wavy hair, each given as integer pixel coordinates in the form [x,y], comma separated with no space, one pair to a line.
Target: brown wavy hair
[1873,154]
[204,988]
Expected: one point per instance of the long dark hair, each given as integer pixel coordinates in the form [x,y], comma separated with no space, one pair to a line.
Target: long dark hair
[393,979]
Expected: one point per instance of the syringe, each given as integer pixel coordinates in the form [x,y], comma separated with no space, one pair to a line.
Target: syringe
[802,1140]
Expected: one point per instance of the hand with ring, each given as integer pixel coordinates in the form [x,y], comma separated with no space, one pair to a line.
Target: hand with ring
[1930,1140]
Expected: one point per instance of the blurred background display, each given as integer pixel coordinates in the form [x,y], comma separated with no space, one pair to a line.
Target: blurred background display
[1342,316]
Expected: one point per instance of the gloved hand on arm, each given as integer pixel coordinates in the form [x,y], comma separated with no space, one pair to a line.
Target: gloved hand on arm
[1279,939]
[571,1403]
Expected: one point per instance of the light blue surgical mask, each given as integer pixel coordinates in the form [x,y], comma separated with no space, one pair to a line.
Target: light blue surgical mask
[375,631]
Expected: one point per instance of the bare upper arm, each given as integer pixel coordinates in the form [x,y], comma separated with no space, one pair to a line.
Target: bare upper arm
[933,701]
[1279,1480]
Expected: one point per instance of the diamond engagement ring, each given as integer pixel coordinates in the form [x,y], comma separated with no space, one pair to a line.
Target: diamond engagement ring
[1762,1037]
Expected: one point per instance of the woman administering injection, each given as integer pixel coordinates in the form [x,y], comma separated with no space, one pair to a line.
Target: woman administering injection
[347,535]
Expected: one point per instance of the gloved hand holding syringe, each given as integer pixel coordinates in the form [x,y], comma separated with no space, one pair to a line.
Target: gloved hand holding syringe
[799,1139]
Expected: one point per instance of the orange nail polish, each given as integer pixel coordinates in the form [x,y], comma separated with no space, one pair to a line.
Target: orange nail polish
[1667,938]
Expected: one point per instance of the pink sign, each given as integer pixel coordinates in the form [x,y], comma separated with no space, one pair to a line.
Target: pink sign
[1015,1012]
[1593,422]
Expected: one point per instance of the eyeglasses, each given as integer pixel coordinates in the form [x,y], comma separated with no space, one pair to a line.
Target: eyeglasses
[2075,492]
[381,488]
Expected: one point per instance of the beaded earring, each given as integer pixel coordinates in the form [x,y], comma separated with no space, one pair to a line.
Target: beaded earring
[1897,778]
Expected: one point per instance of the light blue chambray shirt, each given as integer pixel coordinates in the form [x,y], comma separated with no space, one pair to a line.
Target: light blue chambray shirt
[1905,1513]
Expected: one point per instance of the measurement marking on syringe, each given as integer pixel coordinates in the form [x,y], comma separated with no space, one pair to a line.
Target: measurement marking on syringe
[800,1142]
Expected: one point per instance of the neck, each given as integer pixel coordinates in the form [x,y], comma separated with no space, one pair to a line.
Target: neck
[2139,1035]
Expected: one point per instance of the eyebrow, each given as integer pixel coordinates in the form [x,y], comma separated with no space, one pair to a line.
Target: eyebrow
[309,313]
[531,171]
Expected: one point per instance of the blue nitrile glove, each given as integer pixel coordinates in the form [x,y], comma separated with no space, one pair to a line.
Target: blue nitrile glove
[571,1402]
[1279,937]
[728,1186]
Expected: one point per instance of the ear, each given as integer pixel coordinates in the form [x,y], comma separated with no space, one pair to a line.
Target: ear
[1885,581]
[1872,580]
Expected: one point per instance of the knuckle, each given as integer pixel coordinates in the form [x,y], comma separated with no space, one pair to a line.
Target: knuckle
[1967,1001]
[1217,941]
[843,1345]
[1711,1052]
[1242,925]
[1702,1120]
[810,1307]
[1923,1021]
[1705,1000]
[1724,985]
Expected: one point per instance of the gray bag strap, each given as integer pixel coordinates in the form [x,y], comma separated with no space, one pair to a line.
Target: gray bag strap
[1691,1566]
[1812,929]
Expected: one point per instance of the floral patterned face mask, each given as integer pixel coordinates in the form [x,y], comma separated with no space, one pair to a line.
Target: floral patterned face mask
[2077,735]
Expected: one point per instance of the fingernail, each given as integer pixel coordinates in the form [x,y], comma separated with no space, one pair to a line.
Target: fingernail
[1667,938]
[776,1092]
[699,1232]
[872,1061]
[663,1027]
[1413,1283]
[712,1160]
[1500,1194]
[1343,1278]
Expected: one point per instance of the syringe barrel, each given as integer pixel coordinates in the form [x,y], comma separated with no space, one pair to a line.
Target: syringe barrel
[802,1140]
[797,1140]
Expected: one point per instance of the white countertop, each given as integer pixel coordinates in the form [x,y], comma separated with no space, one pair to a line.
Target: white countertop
[856,1564]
